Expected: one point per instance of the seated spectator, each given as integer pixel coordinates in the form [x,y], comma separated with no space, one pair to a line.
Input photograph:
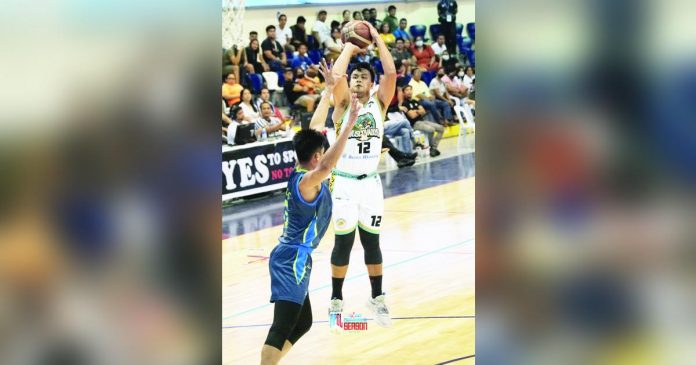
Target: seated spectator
[357,15]
[415,114]
[468,77]
[366,15]
[400,53]
[251,112]
[309,80]
[273,53]
[447,62]
[439,91]
[302,60]
[334,45]
[455,88]
[399,126]
[373,18]
[265,97]
[268,122]
[231,90]
[298,94]
[284,33]
[401,31]
[230,61]
[299,35]
[346,16]
[253,35]
[253,62]
[236,118]
[385,33]
[439,46]
[423,55]
[421,92]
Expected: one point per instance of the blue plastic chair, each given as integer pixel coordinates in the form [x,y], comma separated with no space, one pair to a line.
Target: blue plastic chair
[464,43]
[427,76]
[256,82]
[471,56]
[460,29]
[471,31]
[377,65]
[281,78]
[417,30]
[434,31]
[315,55]
[310,41]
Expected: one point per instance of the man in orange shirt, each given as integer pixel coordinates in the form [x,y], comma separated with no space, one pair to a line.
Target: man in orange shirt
[231,90]
[309,80]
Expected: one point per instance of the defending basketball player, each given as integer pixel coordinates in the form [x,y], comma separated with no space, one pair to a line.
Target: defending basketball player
[307,215]
[356,187]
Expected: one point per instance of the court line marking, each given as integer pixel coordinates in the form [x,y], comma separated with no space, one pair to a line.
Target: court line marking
[457,359]
[358,276]
[369,319]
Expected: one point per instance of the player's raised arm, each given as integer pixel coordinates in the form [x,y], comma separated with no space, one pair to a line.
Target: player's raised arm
[319,118]
[341,92]
[313,178]
[388,83]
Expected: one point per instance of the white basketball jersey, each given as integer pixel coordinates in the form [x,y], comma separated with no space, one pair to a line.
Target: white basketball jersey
[364,146]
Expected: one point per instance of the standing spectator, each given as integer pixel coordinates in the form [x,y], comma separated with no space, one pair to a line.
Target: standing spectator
[401,31]
[373,18]
[439,46]
[265,97]
[253,62]
[357,16]
[400,53]
[436,107]
[302,60]
[346,17]
[391,18]
[439,91]
[272,50]
[333,46]
[298,94]
[251,112]
[230,61]
[284,33]
[231,90]
[299,34]
[415,114]
[386,35]
[366,15]
[321,30]
[447,11]
[268,122]
[424,55]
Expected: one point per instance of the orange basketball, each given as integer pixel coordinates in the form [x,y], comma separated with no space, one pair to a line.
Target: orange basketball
[358,33]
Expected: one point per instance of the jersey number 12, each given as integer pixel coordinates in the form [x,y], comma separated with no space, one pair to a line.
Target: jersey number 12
[363,147]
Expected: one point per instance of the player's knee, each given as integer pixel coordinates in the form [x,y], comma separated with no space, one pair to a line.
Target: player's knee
[278,333]
[370,243]
[340,255]
[301,328]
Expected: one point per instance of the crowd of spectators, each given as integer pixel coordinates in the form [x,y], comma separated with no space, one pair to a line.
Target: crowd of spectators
[435,86]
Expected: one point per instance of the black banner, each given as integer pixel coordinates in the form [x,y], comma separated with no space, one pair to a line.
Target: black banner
[256,168]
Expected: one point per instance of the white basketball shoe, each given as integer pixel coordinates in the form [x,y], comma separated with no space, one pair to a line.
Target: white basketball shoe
[380,311]
[336,315]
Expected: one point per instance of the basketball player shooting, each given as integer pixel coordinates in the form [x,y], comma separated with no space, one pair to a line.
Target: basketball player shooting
[307,216]
[358,200]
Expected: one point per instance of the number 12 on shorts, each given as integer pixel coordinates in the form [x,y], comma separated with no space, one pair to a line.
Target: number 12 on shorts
[376,220]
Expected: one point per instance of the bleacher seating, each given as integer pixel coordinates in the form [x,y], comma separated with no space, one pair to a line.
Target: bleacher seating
[471,31]
[418,30]
[434,31]
[255,82]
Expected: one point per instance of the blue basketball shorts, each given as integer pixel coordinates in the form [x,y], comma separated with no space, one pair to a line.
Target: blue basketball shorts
[290,267]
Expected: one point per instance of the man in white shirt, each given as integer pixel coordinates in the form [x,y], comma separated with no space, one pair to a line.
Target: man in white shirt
[321,30]
[267,121]
[284,33]
[439,46]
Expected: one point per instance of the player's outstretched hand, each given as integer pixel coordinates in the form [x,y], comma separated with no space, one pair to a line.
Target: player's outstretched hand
[325,70]
[354,111]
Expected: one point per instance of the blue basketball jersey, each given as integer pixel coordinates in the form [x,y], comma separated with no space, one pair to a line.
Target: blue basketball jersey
[305,223]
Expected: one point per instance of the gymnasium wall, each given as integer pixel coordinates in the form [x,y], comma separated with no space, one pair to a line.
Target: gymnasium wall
[417,12]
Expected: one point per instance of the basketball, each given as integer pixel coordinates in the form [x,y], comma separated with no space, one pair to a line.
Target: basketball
[358,33]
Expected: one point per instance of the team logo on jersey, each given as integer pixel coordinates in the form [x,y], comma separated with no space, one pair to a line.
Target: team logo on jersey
[341,223]
[365,128]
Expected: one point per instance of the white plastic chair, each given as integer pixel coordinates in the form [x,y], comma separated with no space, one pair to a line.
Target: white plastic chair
[272,81]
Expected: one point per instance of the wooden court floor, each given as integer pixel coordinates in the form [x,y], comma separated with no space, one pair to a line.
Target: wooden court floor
[428,249]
